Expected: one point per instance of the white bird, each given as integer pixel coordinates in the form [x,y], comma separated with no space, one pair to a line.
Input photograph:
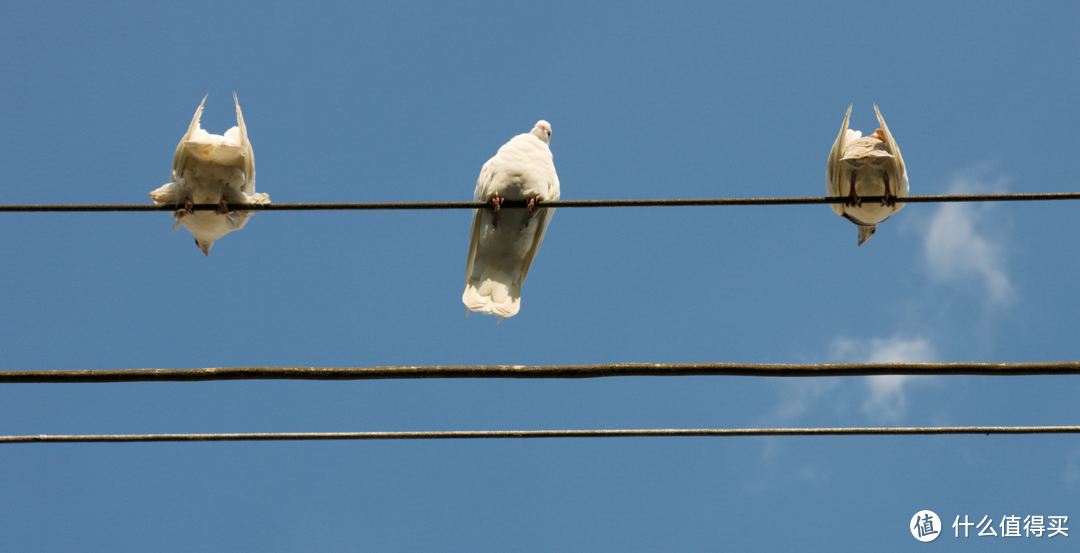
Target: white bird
[211,169]
[503,242]
[866,166]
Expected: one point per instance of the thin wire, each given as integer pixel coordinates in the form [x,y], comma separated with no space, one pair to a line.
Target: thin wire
[542,371]
[489,434]
[556,204]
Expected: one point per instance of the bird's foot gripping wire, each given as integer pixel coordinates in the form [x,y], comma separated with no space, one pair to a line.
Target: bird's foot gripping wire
[887,200]
[496,204]
[530,210]
[853,199]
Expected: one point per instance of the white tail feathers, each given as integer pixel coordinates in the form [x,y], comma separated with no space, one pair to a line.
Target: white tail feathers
[493,292]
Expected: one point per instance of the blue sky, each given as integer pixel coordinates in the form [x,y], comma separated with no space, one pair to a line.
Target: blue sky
[405,102]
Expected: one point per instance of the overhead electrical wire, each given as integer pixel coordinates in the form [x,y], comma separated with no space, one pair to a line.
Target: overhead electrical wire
[556,204]
[493,434]
[551,371]
[540,371]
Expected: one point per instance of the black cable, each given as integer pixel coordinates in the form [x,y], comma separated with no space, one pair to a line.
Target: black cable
[558,204]
[543,371]
[489,434]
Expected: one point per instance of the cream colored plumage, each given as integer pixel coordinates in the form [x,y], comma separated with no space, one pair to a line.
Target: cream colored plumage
[211,169]
[866,166]
[503,242]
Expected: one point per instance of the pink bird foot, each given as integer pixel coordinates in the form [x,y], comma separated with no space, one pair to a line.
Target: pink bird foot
[189,208]
[530,209]
[496,204]
[222,207]
[887,200]
[853,199]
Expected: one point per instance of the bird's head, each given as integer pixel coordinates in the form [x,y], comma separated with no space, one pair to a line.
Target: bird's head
[204,246]
[542,130]
[865,232]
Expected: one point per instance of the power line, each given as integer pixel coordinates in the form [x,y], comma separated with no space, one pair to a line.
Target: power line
[493,434]
[556,204]
[541,371]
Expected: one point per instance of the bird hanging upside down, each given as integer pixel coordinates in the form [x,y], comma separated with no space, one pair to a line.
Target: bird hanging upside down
[211,169]
[866,166]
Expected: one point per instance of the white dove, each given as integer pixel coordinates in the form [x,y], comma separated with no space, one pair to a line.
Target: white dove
[866,166]
[211,169]
[503,242]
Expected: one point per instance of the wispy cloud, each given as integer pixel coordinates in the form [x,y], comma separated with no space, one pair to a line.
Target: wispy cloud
[887,399]
[957,245]
[798,397]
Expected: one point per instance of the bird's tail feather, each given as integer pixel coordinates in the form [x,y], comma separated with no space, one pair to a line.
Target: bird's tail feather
[493,292]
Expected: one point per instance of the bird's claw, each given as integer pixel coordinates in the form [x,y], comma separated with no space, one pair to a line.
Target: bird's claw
[853,197]
[530,210]
[496,204]
[222,207]
[888,200]
[189,208]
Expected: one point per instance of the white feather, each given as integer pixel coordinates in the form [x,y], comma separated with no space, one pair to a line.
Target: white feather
[500,256]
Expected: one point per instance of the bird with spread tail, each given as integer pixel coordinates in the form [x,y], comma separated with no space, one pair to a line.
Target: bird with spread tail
[211,169]
[504,241]
[866,166]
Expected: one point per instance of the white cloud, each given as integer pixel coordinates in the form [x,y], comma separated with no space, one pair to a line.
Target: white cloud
[877,350]
[799,397]
[887,399]
[957,247]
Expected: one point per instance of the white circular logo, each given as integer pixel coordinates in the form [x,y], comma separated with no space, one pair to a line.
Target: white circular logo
[925,526]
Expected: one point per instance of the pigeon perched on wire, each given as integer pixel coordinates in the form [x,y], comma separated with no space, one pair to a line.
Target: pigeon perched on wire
[211,169]
[504,241]
[866,166]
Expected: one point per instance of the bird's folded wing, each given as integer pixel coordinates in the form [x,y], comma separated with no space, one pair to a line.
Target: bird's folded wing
[832,186]
[890,144]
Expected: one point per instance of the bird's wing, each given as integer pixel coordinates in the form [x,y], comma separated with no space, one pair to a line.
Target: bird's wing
[483,184]
[180,158]
[249,154]
[832,186]
[890,144]
[474,242]
[166,194]
[542,220]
